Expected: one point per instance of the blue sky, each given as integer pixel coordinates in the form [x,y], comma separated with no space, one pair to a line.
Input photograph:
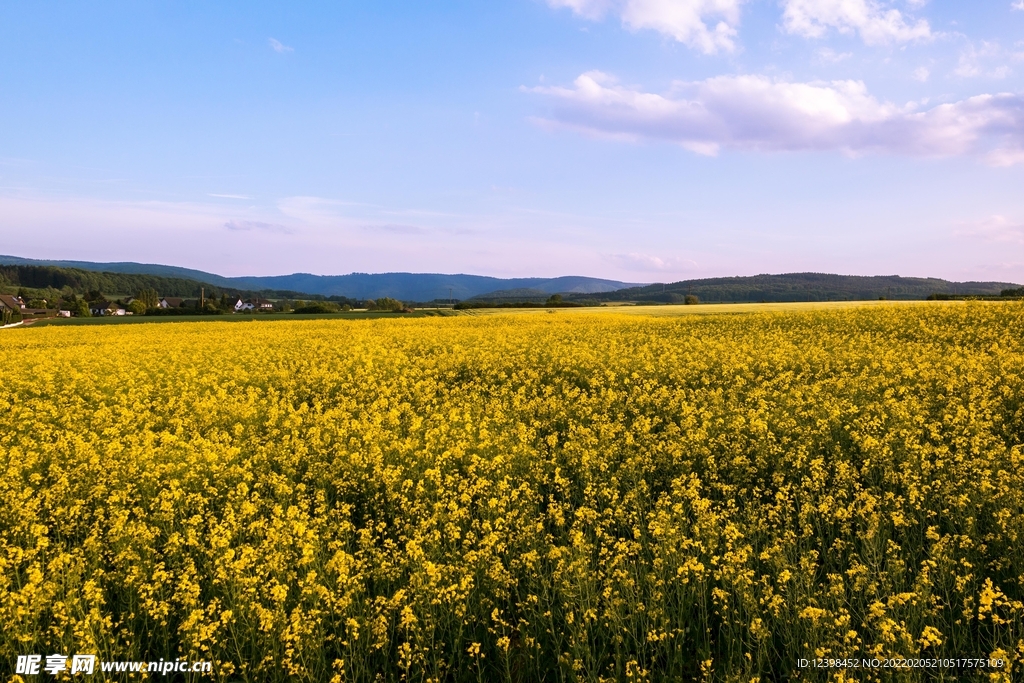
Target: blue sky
[643,140]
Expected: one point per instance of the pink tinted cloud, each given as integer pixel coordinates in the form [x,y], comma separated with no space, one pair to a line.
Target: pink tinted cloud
[759,113]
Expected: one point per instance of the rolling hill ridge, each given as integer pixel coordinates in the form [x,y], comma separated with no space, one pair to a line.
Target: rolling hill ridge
[421,287]
[426,287]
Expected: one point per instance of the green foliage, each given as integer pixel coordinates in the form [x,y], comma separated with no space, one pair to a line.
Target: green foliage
[210,309]
[384,303]
[149,298]
[475,303]
[691,300]
[83,281]
[51,282]
[799,287]
[317,307]
[554,300]
[8,317]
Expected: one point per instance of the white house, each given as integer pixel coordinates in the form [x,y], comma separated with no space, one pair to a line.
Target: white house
[99,308]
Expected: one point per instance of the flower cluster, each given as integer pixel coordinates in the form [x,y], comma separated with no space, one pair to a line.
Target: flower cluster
[524,497]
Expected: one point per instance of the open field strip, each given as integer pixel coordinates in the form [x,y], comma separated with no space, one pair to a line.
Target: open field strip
[705,309]
[587,495]
[236,318]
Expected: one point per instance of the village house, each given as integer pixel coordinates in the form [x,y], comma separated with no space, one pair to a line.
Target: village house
[262,304]
[256,304]
[170,302]
[100,308]
[11,303]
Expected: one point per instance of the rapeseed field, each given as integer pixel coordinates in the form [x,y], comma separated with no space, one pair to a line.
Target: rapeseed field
[546,497]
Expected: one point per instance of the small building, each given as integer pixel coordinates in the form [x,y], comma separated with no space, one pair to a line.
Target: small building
[100,308]
[11,303]
[63,314]
[170,302]
[261,304]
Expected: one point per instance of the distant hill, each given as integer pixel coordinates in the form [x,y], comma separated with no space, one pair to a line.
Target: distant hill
[81,282]
[425,287]
[420,287]
[123,267]
[520,294]
[801,287]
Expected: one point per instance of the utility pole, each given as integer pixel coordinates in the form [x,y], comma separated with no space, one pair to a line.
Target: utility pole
[202,298]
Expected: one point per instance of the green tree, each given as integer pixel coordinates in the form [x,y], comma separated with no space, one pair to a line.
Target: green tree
[691,300]
[7,316]
[554,299]
[137,307]
[149,297]
[68,302]
[386,303]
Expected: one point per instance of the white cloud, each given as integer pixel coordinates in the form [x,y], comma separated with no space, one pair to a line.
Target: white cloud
[396,229]
[830,56]
[758,113]
[1018,5]
[995,229]
[872,20]
[983,61]
[921,74]
[248,226]
[279,47]
[687,21]
[647,263]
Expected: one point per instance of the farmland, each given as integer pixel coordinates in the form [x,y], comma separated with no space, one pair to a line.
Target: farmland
[614,495]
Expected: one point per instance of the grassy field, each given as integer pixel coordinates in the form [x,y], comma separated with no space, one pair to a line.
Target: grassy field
[637,494]
[669,310]
[259,317]
[702,309]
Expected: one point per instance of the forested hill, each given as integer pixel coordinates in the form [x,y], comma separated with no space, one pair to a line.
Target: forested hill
[82,282]
[403,286]
[801,287]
